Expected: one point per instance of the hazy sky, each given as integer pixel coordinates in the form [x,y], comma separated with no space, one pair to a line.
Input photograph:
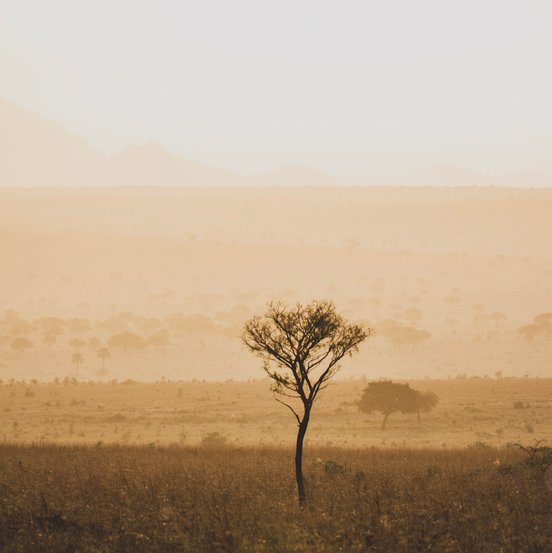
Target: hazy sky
[364,88]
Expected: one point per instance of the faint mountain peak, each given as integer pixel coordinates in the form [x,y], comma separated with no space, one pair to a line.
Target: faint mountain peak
[151,164]
[38,152]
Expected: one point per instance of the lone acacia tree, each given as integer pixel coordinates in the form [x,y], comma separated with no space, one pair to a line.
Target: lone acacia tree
[388,397]
[301,347]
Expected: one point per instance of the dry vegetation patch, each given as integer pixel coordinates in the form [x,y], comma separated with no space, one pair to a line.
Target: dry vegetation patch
[217,498]
[494,411]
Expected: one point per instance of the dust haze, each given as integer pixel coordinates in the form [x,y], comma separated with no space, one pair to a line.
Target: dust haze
[451,280]
[275,277]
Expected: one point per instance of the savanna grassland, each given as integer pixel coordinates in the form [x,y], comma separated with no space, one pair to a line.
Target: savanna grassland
[200,466]
[132,417]
[493,411]
[215,499]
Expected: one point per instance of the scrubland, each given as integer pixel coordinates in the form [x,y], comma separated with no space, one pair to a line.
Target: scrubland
[142,499]
[494,411]
[202,466]
[171,441]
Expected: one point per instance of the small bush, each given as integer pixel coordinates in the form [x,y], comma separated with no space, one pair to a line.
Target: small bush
[214,439]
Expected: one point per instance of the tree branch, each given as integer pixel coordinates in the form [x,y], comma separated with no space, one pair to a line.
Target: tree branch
[290,408]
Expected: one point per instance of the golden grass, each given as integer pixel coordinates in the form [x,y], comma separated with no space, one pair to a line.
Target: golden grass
[121,498]
[494,411]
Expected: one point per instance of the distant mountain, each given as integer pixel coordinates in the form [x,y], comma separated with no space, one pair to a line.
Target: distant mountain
[37,152]
[153,165]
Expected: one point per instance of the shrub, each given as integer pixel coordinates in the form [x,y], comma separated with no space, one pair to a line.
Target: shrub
[214,439]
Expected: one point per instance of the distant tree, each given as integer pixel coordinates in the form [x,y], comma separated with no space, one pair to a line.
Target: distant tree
[50,325]
[77,360]
[18,327]
[159,339]
[426,401]
[388,397]
[301,347]
[540,327]
[115,323]
[79,325]
[528,332]
[94,342]
[21,344]
[77,343]
[103,354]
[399,335]
[149,325]
[49,339]
[127,340]
[544,320]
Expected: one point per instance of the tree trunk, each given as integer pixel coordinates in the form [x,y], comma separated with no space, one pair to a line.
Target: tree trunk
[384,422]
[299,459]
[419,418]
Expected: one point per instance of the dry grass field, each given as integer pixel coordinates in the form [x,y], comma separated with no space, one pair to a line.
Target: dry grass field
[207,467]
[492,411]
[221,499]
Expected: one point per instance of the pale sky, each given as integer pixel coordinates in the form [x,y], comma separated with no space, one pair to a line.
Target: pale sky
[368,89]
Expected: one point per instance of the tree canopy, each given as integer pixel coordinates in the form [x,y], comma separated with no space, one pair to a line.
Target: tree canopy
[21,344]
[388,397]
[540,327]
[302,346]
[127,340]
